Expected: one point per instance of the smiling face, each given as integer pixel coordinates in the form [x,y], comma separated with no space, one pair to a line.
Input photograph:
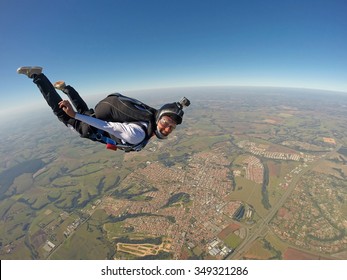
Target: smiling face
[166,125]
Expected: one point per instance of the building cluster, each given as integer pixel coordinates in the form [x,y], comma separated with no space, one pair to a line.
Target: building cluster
[72,227]
[254,169]
[322,228]
[48,246]
[196,222]
[217,247]
[261,150]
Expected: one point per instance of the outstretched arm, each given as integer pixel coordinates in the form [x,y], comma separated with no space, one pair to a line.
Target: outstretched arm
[129,132]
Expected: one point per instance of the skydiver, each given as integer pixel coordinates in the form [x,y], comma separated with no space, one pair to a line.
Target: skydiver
[118,121]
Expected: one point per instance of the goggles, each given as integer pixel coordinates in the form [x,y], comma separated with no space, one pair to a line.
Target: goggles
[166,122]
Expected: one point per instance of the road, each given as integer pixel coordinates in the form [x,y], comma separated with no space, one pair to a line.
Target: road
[261,227]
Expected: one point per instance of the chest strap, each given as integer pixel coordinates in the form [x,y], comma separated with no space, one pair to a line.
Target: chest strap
[111,144]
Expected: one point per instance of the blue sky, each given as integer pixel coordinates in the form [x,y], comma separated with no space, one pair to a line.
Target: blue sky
[120,45]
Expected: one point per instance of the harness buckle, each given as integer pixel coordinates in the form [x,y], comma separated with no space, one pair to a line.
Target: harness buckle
[98,136]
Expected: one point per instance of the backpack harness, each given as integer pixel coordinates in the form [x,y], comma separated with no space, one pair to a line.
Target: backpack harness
[131,109]
[99,135]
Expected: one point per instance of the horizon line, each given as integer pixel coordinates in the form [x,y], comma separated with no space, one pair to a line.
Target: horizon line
[19,110]
[237,86]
